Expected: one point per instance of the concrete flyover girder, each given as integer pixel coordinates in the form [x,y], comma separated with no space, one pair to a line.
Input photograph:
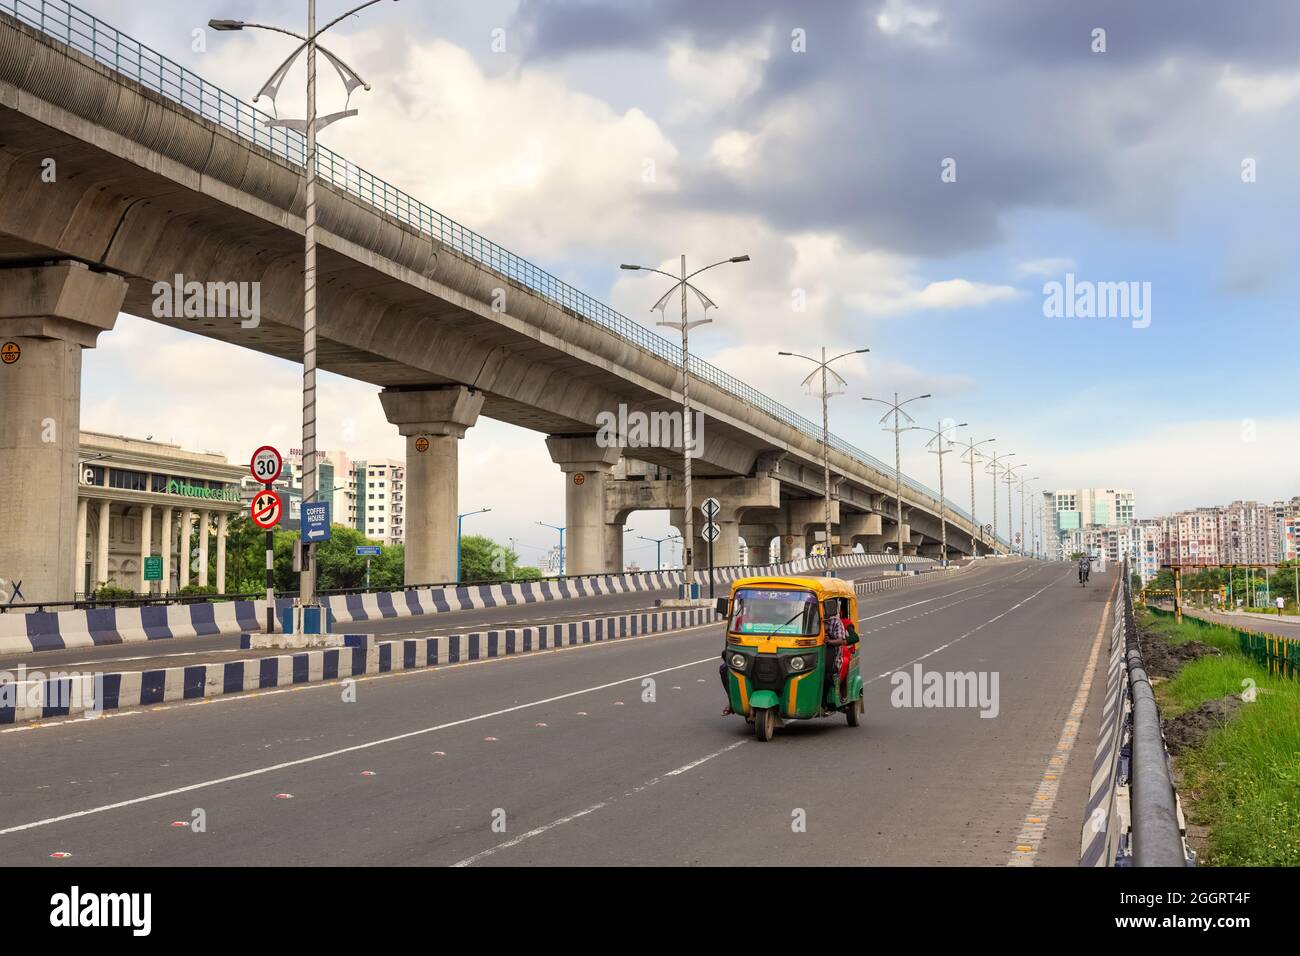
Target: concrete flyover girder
[433,420]
[151,190]
[48,314]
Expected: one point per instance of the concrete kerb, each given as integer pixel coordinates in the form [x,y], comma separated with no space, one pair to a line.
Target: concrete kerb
[69,694]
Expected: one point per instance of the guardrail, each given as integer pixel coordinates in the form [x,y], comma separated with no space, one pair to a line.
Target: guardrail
[1132,816]
[134,60]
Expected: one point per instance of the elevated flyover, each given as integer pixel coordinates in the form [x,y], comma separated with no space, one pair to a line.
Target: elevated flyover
[121,171]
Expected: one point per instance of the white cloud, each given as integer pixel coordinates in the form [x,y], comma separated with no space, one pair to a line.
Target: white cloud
[1051,266]
[1260,92]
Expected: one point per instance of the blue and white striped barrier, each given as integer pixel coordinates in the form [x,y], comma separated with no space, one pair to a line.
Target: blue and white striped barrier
[45,631]
[37,697]
[42,631]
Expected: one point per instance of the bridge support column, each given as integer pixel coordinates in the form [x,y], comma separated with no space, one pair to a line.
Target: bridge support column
[48,314]
[591,546]
[862,528]
[758,540]
[800,521]
[433,421]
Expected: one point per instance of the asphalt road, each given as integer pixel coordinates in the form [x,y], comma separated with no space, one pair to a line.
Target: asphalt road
[181,652]
[560,758]
[1284,625]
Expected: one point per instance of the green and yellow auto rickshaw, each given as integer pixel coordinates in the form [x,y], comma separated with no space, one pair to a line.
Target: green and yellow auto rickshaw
[779,665]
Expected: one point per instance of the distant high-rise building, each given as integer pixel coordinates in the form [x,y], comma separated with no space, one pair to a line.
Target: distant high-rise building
[381,499]
[1069,514]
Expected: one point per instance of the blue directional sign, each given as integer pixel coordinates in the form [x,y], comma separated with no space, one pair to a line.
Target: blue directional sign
[369,550]
[315,521]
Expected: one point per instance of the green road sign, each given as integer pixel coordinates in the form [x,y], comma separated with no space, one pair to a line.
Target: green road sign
[153,568]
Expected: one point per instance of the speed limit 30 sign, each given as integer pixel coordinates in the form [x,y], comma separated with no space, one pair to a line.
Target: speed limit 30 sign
[266,464]
[265,509]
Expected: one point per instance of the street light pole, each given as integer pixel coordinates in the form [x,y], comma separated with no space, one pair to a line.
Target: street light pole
[1023,540]
[823,367]
[1008,476]
[556,527]
[683,282]
[896,409]
[940,450]
[971,445]
[309,127]
[658,543]
[993,470]
[459,520]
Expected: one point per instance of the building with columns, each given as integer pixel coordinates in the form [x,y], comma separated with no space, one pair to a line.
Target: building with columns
[141,498]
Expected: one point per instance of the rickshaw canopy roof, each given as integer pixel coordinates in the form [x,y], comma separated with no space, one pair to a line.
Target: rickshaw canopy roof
[822,587]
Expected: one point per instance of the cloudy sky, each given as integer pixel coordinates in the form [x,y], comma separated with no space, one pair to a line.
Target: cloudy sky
[907,175]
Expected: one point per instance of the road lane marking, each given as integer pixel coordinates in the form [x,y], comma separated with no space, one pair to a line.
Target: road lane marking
[963,637]
[343,750]
[1030,837]
[538,831]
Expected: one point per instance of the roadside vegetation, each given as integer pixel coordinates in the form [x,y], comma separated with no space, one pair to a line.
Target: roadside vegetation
[1234,732]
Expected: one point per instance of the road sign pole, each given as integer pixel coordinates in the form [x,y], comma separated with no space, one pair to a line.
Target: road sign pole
[270,581]
[367,572]
[710,568]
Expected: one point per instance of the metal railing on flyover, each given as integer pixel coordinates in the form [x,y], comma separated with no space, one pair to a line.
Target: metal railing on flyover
[107,45]
[1157,835]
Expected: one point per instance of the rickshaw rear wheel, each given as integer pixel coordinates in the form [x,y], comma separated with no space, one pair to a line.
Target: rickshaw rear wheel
[854,712]
[764,723]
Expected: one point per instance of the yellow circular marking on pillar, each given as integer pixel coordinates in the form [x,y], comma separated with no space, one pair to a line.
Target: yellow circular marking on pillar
[422,444]
[579,478]
[10,352]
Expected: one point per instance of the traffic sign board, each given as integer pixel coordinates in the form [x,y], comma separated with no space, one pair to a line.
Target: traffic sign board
[315,521]
[710,507]
[710,532]
[265,509]
[153,567]
[266,464]
[369,550]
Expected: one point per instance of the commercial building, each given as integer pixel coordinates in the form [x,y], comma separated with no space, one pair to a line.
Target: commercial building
[143,499]
[1069,514]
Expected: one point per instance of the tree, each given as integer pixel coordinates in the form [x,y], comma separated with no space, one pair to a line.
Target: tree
[482,559]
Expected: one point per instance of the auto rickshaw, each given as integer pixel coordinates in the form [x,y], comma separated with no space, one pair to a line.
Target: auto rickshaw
[778,664]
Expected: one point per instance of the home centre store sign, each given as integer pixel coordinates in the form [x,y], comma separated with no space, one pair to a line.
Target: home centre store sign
[187,490]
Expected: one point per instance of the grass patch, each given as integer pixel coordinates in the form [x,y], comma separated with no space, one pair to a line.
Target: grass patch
[1243,781]
[1170,630]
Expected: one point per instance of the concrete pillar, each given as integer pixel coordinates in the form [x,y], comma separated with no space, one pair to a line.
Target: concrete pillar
[48,314]
[433,421]
[758,539]
[187,519]
[221,552]
[146,542]
[589,547]
[79,549]
[861,528]
[165,585]
[101,544]
[204,528]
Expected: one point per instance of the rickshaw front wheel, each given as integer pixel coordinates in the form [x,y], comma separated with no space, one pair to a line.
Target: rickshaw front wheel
[854,712]
[765,723]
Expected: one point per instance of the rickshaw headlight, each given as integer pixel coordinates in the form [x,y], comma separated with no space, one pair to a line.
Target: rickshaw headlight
[797,663]
[738,661]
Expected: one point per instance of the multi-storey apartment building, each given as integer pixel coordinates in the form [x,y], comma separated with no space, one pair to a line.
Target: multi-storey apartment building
[381,499]
[1069,513]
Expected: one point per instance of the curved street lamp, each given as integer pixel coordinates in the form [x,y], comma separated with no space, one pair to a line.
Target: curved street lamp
[683,282]
[824,367]
[971,445]
[896,409]
[940,435]
[310,127]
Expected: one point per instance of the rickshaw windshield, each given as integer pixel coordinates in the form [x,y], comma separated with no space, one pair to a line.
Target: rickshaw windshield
[771,611]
